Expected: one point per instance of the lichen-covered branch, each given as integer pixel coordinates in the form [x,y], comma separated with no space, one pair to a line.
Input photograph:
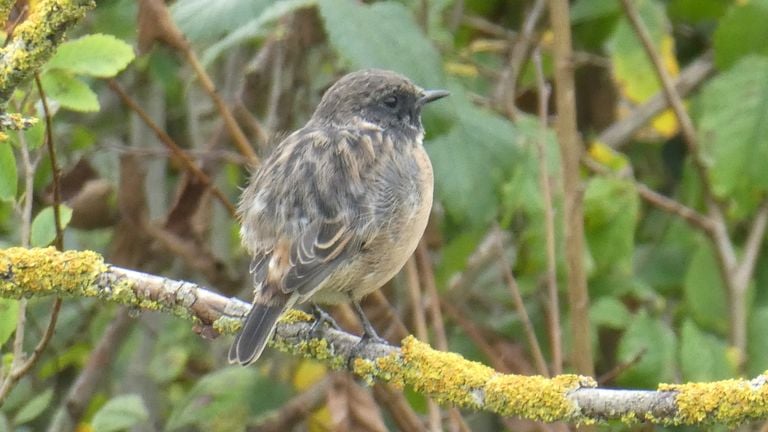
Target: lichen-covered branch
[34,41]
[446,377]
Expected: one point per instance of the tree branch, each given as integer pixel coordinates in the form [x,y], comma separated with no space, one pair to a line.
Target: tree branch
[446,377]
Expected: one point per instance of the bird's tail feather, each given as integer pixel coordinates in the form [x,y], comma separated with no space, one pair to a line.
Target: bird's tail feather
[256,332]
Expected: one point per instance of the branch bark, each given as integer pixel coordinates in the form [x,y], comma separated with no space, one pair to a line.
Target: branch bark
[446,377]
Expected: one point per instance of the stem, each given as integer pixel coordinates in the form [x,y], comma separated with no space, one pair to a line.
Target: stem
[571,151]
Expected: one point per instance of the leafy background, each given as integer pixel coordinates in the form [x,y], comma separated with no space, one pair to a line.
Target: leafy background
[661,302]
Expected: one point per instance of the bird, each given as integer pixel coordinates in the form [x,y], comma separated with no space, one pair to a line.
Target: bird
[338,207]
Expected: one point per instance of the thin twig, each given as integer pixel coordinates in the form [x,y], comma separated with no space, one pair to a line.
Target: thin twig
[506,92]
[553,313]
[514,289]
[664,203]
[239,138]
[420,322]
[618,134]
[177,151]
[573,214]
[424,264]
[55,169]
[86,385]
[724,248]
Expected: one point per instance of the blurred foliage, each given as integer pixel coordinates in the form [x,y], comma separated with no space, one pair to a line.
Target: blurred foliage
[659,305]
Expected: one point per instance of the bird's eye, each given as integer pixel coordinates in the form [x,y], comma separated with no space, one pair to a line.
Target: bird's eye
[390,101]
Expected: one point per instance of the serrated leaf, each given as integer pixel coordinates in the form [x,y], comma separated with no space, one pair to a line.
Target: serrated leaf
[703,357]
[705,294]
[8,174]
[98,55]
[43,230]
[741,32]
[34,407]
[252,28]
[9,313]
[656,340]
[120,413]
[383,35]
[733,127]
[69,91]
[610,216]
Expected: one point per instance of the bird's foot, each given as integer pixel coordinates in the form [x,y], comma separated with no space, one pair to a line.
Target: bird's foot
[321,317]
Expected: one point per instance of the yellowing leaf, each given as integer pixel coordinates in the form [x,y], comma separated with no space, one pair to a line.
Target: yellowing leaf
[308,373]
[633,72]
[606,156]
[461,69]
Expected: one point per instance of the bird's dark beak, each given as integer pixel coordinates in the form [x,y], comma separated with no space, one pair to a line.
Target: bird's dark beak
[432,95]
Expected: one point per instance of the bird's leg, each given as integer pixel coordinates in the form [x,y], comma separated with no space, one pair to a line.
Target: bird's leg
[321,317]
[369,334]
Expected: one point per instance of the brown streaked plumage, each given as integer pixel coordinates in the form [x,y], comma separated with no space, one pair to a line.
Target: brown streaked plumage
[340,205]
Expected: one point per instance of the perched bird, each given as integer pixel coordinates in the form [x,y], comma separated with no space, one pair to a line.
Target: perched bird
[340,205]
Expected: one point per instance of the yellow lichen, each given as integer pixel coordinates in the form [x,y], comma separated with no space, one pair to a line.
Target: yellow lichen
[727,402]
[28,272]
[34,40]
[295,315]
[534,397]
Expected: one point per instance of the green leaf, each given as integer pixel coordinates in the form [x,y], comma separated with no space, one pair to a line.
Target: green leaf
[609,312]
[68,91]
[97,55]
[695,11]
[43,230]
[9,313]
[204,20]
[610,217]
[382,35]
[588,10]
[733,127]
[705,294]
[656,341]
[34,407]
[253,28]
[8,175]
[120,413]
[758,343]
[703,357]
[471,159]
[216,401]
[741,32]
[632,69]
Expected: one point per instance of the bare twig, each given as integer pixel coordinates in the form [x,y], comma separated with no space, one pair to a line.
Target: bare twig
[506,91]
[295,410]
[55,169]
[514,289]
[553,312]
[186,161]
[619,133]
[81,392]
[571,151]
[239,138]
[420,322]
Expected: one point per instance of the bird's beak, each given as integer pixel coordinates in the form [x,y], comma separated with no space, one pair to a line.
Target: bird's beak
[432,95]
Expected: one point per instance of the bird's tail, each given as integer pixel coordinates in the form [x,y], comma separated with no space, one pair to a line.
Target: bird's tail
[257,330]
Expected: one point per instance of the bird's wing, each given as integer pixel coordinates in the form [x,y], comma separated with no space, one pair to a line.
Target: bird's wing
[306,210]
